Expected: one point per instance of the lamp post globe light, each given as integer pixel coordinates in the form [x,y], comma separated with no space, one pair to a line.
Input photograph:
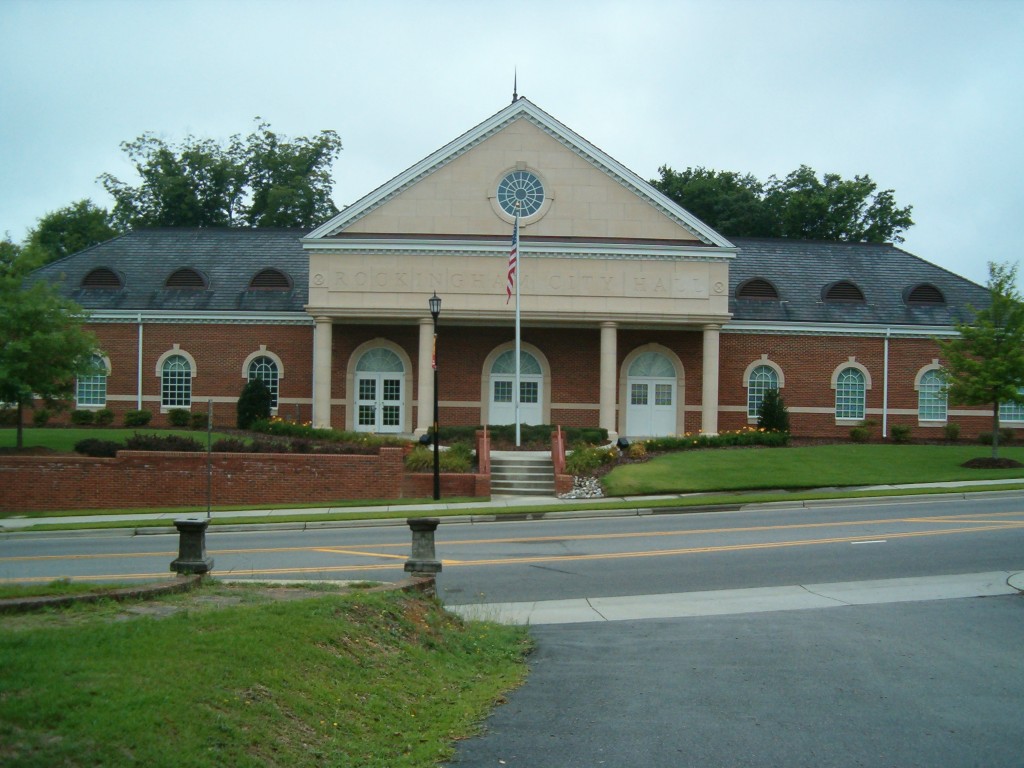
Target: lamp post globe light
[434,302]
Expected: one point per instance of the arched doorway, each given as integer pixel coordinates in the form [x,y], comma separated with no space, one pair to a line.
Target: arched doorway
[379,391]
[502,407]
[651,396]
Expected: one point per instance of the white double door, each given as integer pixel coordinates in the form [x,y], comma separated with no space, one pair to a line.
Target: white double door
[502,405]
[378,402]
[651,411]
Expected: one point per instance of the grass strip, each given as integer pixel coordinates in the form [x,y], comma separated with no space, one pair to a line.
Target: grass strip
[363,679]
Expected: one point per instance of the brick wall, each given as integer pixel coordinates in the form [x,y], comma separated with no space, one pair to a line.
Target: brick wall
[150,479]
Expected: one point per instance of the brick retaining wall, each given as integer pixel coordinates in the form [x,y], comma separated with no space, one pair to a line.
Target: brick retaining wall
[155,479]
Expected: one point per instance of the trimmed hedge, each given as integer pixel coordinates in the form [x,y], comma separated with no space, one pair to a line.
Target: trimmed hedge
[744,437]
[101,449]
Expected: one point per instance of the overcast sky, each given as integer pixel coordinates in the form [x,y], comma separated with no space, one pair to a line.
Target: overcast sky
[925,97]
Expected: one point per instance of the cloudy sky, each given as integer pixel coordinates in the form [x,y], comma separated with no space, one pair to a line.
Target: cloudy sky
[925,97]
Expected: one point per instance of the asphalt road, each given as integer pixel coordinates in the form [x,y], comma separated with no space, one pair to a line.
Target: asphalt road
[920,682]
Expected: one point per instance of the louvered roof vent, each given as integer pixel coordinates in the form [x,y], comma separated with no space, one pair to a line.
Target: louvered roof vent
[186,277]
[270,280]
[103,278]
[844,291]
[925,293]
[757,288]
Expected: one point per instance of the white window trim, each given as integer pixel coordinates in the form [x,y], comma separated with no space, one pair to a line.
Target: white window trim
[933,366]
[851,362]
[746,381]
[174,350]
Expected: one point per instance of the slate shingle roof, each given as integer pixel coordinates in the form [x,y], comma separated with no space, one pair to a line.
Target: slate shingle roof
[800,271]
[228,258]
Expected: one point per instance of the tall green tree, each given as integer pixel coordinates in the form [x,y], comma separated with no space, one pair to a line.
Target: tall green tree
[71,229]
[798,206]
[43,346]
[984,365]
[263,180]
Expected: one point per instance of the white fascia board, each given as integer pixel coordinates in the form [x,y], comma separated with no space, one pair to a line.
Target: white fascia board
[839,329]
[556,129]
[197,318]
[406,247]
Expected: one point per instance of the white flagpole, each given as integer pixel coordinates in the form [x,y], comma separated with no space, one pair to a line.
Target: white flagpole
[519,279]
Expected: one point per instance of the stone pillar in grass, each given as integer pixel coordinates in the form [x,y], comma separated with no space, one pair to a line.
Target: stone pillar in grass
[191,547]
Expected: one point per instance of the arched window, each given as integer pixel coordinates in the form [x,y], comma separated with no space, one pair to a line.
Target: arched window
[850,391]
[757,289]
[1012,411]
[265,369]
[931,396]
[762,379]
[176,383]
[270,280]
[91,389]
[925,294]
[844,292]
[103,278]
[186,277]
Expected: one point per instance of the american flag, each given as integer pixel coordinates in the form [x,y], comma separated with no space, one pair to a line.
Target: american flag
[513,262]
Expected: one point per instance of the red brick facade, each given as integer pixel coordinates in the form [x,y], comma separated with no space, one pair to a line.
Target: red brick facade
[807,363]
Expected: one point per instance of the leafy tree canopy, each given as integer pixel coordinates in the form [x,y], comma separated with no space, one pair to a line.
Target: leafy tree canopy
[798,206]
[43,347]
[984,365]
[70,229]
[262,180]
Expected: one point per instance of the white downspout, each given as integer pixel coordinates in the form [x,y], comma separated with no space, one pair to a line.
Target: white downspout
[885,388]
[138,383]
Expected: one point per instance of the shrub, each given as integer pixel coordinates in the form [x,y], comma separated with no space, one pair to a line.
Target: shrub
[637,451]
[41,416]
[91,446]
[301,445]
[457,458]
[254,403]
[230,445]
[179,417]
[82,418]
[860,434]
[8,417]
[773,416]
[951,431]
[584,460]
[137,418]
[104,417]
[1006,436]
[139,442]
[900,433]
[198,421]
[262,445]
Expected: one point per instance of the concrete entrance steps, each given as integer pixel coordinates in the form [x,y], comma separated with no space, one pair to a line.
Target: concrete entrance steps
[522,473]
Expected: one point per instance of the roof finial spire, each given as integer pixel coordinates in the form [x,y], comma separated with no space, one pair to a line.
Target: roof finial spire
[515,85]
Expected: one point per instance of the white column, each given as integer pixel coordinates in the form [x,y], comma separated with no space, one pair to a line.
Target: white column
[608,389]
[425,391]
[709,406]
[322,335]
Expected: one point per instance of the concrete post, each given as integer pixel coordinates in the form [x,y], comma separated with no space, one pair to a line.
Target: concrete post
[191,547]
[423,561]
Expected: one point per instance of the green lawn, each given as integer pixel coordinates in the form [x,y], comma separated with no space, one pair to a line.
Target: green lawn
[847,464]
[364,679]
[63,439]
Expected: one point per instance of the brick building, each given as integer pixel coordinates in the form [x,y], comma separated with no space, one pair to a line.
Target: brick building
[636,316]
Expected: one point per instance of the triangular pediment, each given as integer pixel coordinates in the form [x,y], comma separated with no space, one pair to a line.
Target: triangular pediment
[451,194]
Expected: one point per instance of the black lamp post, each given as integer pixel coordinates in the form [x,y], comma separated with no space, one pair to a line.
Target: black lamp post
[435,310]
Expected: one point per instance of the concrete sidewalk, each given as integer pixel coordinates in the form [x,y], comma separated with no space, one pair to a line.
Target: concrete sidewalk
[729,602]
[478,511]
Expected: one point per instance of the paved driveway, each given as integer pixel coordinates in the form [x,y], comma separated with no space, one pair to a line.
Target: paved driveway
[928,683]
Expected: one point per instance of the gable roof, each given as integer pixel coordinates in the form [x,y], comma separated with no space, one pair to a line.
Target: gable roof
[520,109]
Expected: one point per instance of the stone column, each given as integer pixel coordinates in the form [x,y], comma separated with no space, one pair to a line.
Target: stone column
[425,390]
[608,369]
[709,406]
[322,335]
